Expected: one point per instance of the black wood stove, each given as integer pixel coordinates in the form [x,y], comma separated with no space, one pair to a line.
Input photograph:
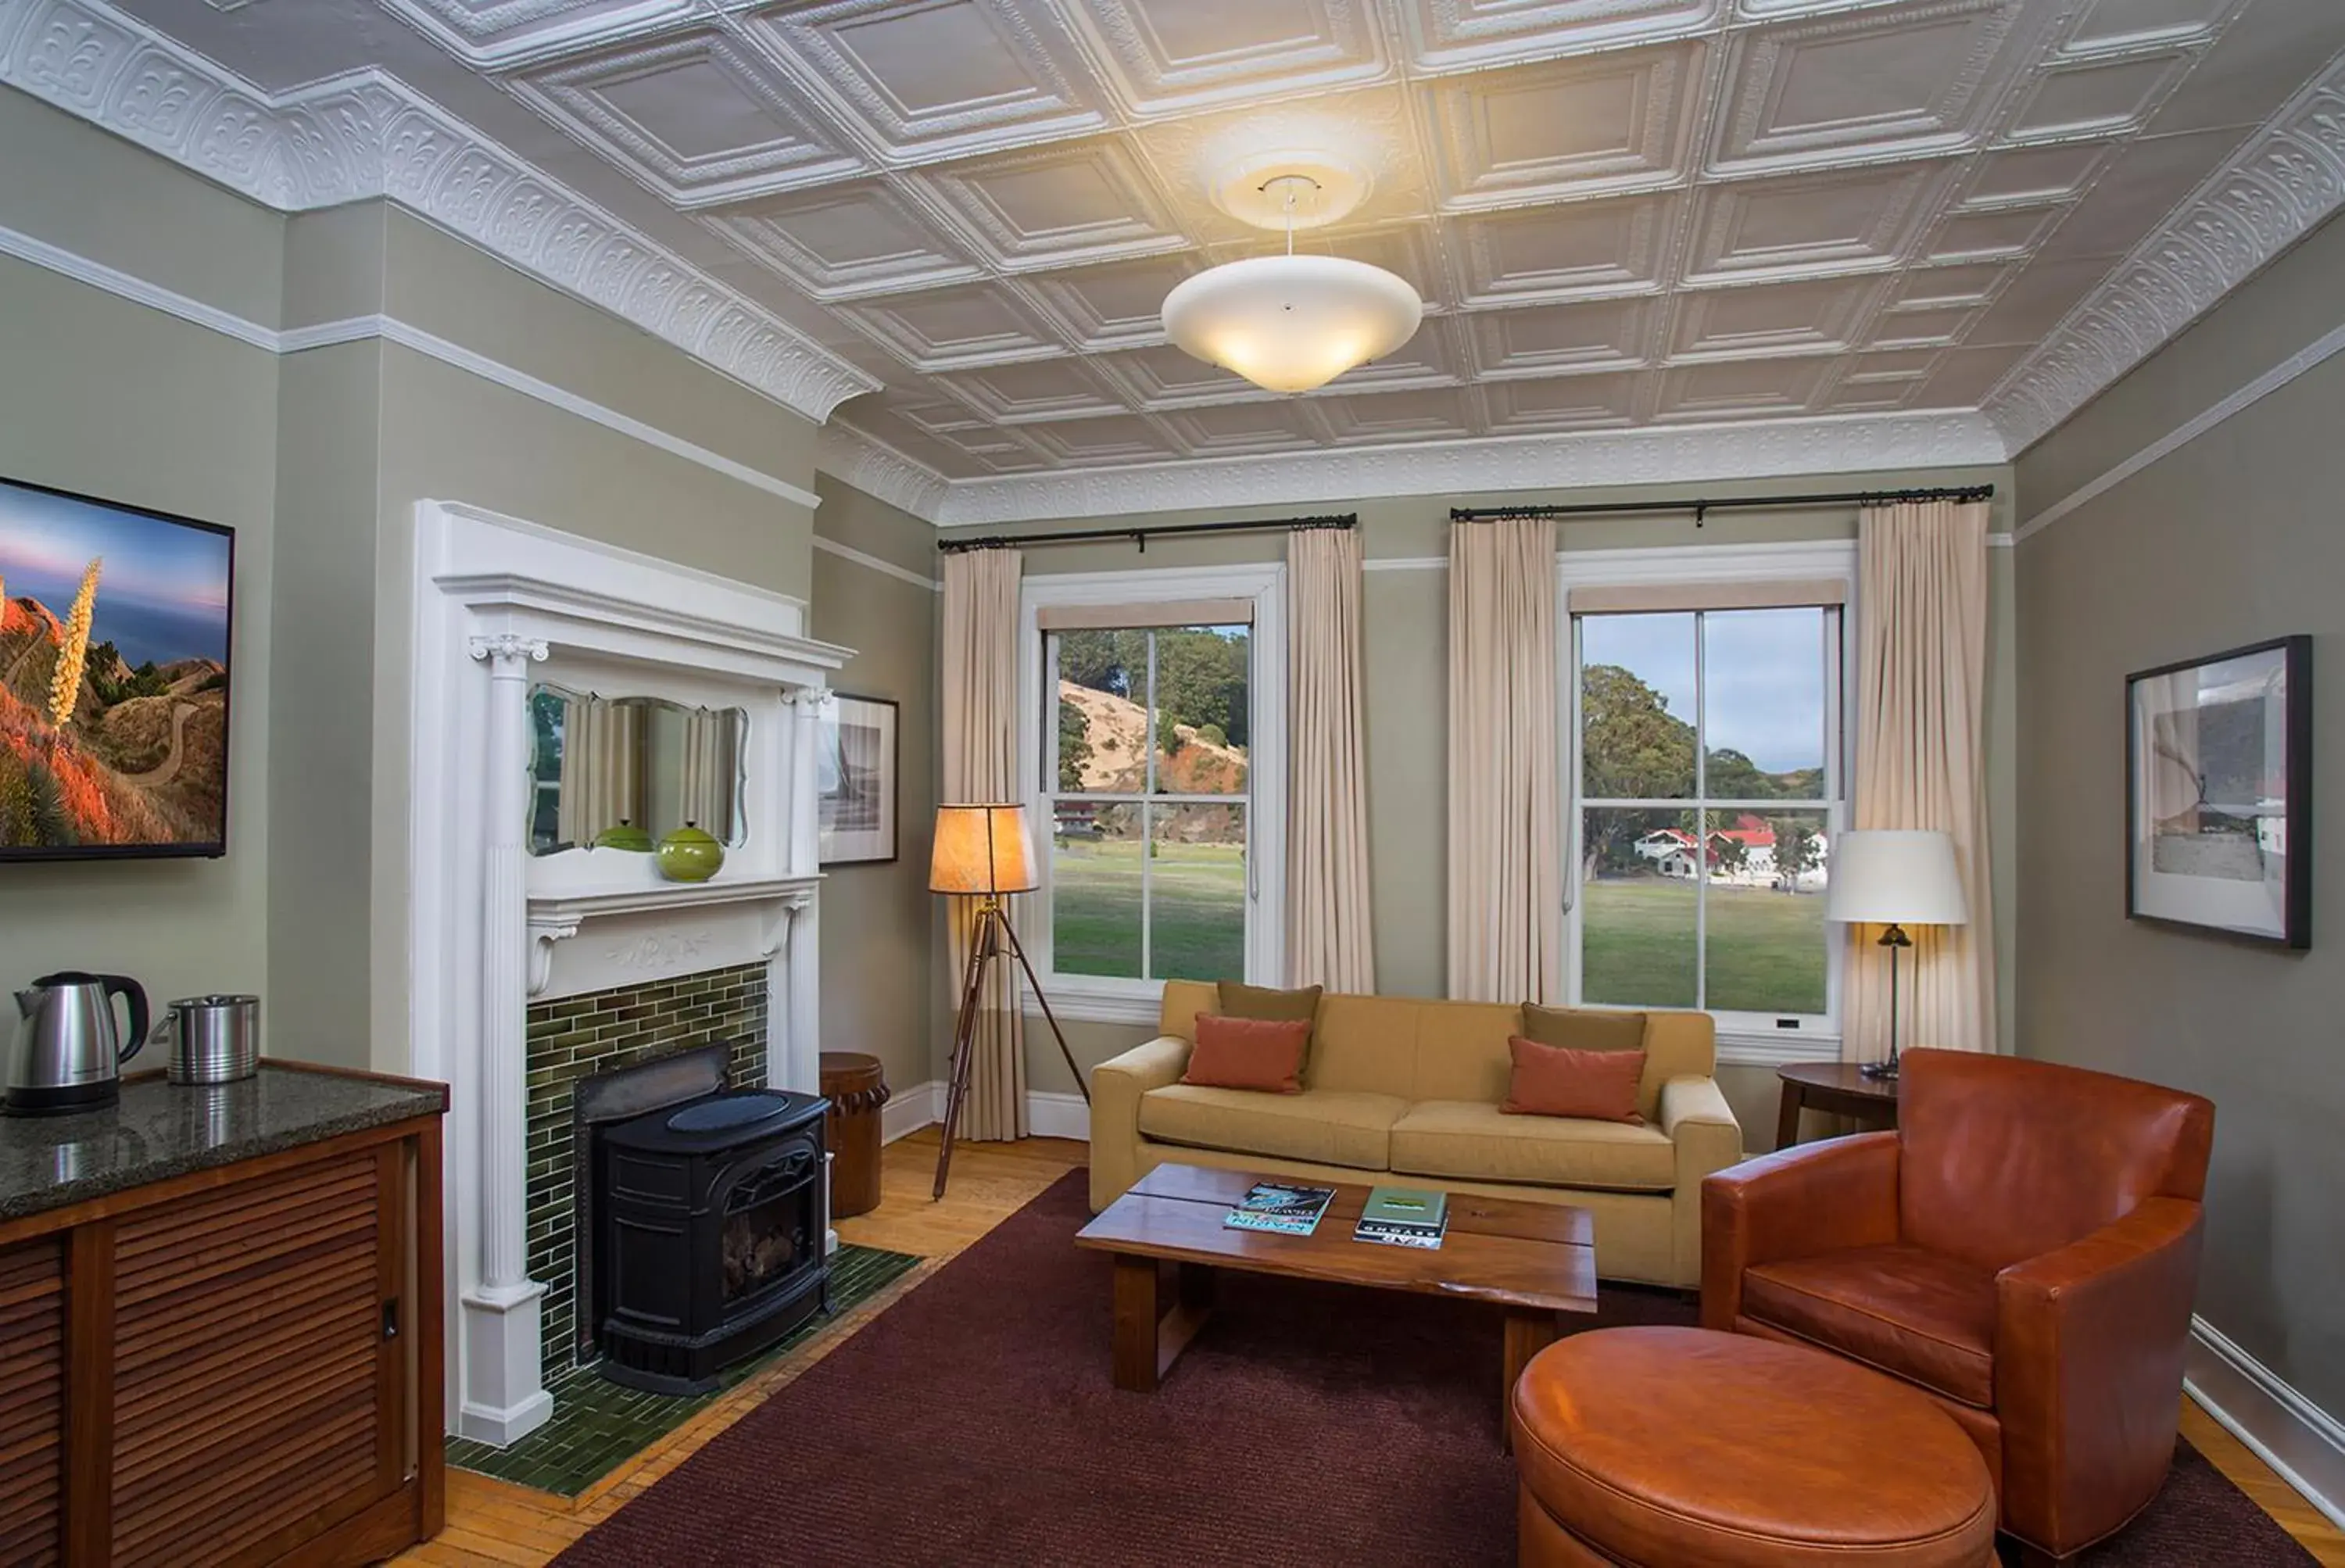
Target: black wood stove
[711,1234]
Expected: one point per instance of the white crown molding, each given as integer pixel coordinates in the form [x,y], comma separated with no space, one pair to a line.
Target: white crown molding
[390,329]
[2282,182]
[369,135]
[875,468]
[1847,444]
[2319,353]
[873,563]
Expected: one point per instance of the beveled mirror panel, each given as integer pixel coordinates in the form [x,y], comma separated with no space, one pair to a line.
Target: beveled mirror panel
[620,772]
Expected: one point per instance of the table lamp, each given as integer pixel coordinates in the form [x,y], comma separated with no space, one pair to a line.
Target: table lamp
[983,851]
[1894,877]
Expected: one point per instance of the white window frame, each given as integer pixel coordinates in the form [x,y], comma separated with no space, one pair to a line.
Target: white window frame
[1103,998]
[1749,1039]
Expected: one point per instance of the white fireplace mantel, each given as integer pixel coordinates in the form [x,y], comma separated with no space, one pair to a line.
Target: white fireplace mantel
[500,605]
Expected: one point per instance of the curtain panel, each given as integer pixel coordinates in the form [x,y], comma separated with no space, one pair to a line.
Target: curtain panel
[1920,763]
[602,774]
[1330,940]
[1506,807]
[979,653]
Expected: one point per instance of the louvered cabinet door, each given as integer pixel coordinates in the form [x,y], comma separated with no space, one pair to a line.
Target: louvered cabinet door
[31,1401]
[256,1380]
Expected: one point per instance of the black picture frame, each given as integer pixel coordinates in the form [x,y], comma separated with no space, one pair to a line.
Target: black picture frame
[879,844]
[207,849]
[2168,898]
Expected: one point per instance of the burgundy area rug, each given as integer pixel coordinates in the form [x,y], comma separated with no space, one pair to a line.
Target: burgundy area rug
[973,1424]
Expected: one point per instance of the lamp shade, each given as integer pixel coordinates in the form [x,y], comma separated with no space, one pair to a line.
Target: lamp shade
[982,849]
[1895,876]
[1291,323]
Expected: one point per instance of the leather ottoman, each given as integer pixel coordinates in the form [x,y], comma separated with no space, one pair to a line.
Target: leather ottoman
[1678,1447]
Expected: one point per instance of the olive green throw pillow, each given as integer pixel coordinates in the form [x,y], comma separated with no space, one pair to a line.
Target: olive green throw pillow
[1579,1028]
[1242,1000]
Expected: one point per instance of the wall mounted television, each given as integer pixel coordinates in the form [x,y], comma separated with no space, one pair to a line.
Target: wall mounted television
[115,631]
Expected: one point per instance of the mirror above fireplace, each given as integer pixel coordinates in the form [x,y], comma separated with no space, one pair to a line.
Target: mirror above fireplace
[620,772]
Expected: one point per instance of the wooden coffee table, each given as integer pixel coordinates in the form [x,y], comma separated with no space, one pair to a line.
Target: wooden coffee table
[1535,1260]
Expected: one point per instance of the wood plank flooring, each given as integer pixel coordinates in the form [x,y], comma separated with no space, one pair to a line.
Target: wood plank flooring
[494,1524]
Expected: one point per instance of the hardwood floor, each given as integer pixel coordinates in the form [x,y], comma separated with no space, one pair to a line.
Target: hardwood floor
[494,1524]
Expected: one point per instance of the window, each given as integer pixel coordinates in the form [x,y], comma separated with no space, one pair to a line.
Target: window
[1707,725]
[1152,725]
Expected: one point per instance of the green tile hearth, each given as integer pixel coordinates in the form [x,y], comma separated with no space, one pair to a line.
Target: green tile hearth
[597,1425]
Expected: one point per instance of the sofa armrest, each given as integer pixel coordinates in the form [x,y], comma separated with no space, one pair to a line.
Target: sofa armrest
[1797,1202]
[1699,1121]
[1117,1085]
[2088,1348]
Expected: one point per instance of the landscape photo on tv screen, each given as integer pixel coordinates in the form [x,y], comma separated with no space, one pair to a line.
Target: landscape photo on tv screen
[114,678]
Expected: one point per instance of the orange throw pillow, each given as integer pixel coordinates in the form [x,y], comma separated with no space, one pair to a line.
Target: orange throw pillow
[1259,1054]
[1557,1081]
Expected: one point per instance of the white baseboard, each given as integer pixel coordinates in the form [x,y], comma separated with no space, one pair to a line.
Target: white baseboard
[1058,1115]
[909,1110]
[2296,1438]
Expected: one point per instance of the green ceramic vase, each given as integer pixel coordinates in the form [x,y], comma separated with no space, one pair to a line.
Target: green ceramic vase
[690,855]
[624,836]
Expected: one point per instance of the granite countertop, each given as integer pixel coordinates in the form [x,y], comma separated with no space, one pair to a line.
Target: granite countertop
[161,1130]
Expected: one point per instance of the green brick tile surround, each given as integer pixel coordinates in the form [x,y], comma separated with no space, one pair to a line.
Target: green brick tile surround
[576,1036]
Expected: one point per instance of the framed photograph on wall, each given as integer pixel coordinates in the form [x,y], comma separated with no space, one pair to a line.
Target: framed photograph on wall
[858,776]
[2218,792]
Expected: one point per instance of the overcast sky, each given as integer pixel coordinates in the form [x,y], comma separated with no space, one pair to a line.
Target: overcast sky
[1764,675]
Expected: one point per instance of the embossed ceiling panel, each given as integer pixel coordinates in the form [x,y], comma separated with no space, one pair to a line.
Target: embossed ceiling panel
[1635,223]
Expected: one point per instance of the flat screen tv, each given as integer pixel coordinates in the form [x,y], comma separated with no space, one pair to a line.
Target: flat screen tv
[114,678]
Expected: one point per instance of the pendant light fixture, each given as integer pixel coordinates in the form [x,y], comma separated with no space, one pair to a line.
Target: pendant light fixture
[1289,323]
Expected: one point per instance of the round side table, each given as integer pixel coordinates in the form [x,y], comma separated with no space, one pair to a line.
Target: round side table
[1839,1087]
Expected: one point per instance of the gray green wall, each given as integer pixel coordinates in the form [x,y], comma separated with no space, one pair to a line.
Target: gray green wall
[1408,705]
[881,924]
[2231,539]
[115,400]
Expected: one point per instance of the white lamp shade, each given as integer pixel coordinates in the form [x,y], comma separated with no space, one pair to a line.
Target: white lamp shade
[1895,876]
[1291,323]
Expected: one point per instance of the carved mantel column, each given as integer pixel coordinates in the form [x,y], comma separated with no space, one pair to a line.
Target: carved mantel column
[505,1393]
[792,1052]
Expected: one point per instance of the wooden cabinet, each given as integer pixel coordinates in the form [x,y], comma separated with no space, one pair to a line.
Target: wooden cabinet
[240,1365]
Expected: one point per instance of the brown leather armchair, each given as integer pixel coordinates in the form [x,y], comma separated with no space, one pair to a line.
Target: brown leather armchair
[2024,1248]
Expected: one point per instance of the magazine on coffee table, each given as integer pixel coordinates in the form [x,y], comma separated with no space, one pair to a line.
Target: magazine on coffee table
[1402,1217]
[1281,1209]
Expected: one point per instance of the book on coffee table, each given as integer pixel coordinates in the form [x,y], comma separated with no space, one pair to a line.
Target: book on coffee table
[1402,1217]
[1281,1209]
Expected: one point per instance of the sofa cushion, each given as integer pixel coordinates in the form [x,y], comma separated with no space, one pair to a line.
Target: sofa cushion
[1557,1081]
[1262,1054]
[1918,1315]
[1324,1126]
[1472,1141]
[1676,1045]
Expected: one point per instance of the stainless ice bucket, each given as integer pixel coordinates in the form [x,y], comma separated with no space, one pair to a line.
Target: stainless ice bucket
[212,1039]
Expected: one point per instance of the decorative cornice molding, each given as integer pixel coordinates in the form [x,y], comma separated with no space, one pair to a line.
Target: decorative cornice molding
[370,135]
[877,469]
[1846,443]
[2285,180]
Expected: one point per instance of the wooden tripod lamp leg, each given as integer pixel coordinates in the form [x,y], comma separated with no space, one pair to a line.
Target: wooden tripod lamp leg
[982,946]
[1048,1016]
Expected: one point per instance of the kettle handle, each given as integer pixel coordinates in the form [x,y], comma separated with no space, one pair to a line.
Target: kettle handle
[123,986]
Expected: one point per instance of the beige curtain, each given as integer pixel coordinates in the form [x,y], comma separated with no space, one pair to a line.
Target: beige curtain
[711,771]
[1329,941]
[1920,724]
[602,767]
[980,766]
[1505,856]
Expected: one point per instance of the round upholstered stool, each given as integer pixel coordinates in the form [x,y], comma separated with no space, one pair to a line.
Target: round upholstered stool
[1678,1448]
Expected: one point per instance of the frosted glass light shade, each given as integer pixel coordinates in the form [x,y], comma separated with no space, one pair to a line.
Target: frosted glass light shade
[982,849]
[1895,876]
[1291,323]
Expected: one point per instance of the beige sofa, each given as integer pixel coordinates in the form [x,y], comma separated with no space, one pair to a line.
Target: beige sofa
[1412,1088]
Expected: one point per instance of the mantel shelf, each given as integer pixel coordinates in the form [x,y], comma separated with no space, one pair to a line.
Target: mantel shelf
[581,904]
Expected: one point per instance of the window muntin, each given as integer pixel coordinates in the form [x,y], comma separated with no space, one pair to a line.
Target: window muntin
[1708,753]
[1147,755]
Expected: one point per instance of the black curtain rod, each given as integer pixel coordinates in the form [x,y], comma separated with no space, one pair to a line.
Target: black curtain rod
[1140,537]
[1699,508]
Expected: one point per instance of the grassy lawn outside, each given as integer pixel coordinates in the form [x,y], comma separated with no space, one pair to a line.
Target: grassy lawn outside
[1199,893]
[1637,946]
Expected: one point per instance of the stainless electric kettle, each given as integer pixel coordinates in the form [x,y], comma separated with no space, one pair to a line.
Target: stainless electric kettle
[69,1049]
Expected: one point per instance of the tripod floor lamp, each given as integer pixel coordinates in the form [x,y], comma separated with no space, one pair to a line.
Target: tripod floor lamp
[985,852]
[1894,877]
